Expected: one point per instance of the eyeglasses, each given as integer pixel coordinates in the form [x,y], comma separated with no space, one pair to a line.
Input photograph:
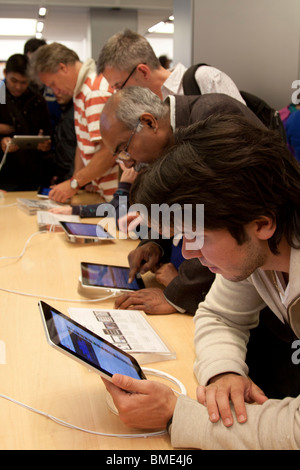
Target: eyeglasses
[117,88]
[124,83]
[124,155]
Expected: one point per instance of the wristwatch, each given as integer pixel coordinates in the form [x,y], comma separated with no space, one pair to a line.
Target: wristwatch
[74,184]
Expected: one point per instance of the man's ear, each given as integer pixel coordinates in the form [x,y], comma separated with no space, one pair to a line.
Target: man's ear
[144,70]
[63,67]
[264,227]
[148,120]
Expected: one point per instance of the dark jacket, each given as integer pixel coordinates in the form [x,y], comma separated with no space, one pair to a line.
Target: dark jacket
[24,170]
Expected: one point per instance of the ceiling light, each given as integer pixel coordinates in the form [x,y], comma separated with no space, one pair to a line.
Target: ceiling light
[42,11]
[163,27]
[17,27]
[39,26]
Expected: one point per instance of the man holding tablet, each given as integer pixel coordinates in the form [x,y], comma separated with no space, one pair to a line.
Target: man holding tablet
[249,184]
[24,113]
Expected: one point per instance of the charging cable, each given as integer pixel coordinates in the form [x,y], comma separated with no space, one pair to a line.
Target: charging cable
[5,155]
[124,436]
[25,246]
[11,291]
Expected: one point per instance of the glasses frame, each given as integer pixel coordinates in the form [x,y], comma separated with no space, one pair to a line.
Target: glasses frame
[124,155]
[131,73]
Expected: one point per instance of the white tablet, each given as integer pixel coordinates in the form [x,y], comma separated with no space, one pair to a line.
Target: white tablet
[85,233]
[85,347]
[98,279]
[29,141]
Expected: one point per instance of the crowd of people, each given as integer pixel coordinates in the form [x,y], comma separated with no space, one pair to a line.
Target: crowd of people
[123,126]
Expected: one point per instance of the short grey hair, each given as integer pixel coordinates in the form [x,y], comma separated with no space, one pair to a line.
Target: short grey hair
[125,50]
[133,101]
[47,58]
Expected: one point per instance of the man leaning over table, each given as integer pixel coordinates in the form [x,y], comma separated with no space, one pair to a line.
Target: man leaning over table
[59,68]
[249,184]
[138,128]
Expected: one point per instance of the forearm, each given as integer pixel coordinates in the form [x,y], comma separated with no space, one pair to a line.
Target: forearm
[275,425]
[100,163]
[222,325]
[6,129]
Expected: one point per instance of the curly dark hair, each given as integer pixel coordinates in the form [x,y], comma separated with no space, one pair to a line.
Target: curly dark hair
[239,171]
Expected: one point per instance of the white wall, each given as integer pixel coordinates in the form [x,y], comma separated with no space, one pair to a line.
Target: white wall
[70,26]
[83,29]
[255,42]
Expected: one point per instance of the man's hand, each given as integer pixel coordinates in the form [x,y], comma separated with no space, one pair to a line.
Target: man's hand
[149,405]
[144,258]
[7,141]
[166,273]
[150,300]
[225,387]
[62,192]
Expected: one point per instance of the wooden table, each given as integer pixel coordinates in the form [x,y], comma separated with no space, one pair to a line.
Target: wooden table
[37,375]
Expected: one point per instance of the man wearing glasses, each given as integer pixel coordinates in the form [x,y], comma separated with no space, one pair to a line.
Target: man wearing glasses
[128,59]
[138,128]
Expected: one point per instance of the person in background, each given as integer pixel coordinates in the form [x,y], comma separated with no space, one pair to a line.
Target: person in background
[165,61]
[24,113]
[59,68]
[127,59]
[65,142]
[30,46]
[292,130]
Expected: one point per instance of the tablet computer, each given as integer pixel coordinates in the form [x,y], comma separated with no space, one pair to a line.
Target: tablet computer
[85,233]
[29,141]
[98,279]
[85,347]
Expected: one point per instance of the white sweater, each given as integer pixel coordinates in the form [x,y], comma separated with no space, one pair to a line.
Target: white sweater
[222,324]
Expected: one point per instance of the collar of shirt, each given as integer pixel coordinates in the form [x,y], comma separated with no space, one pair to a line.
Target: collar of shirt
[173,84]
[172,104]
[88,67]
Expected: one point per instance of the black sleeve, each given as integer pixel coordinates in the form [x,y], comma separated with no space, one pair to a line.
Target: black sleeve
[90,210]
[190,286]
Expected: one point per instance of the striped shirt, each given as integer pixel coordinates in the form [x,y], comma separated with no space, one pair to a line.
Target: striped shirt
[91,93]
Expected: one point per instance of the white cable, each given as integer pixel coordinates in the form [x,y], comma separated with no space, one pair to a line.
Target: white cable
[154,372]
[5,155]
[11,291]
[8,205]
[25,246]
[72,426]
[57,420]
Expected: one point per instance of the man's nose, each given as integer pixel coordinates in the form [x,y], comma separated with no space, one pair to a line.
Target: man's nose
[188,249]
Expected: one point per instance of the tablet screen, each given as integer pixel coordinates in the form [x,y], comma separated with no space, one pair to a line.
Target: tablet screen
[44,191]
[85,230]
[102,275]
[88,347]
